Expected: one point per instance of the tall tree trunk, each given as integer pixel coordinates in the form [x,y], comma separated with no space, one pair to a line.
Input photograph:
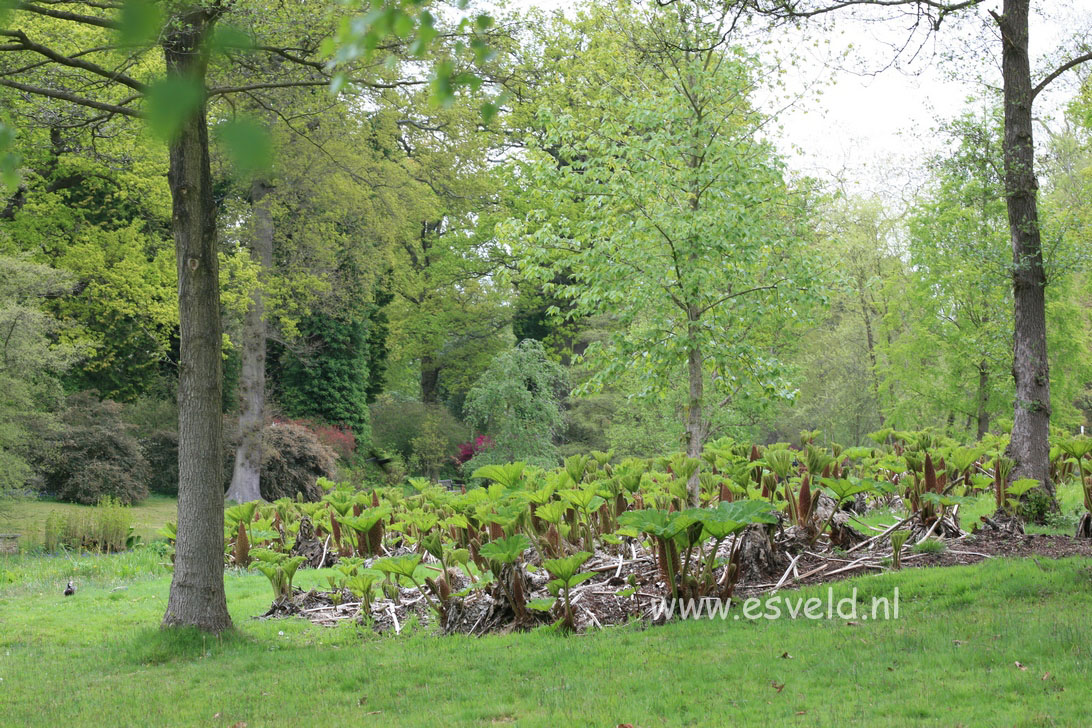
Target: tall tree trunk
[983,399]
[246,477]
[871,344]
[695,425]
[1031,421]
[197,588]
[430,380]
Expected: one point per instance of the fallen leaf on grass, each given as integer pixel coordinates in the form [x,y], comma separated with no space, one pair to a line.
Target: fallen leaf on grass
[777,686]
[958,643]
[1020,666]
[786,656]
[240,724]
[1047,676]
[853,624]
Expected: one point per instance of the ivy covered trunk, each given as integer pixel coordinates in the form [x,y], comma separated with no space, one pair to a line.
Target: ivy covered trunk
[1031,422]
[246,477]
[197,588]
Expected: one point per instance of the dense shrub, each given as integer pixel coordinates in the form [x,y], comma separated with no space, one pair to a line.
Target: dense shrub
[424,435]
[339,438]
[293,459]
[161,451]
[96,455]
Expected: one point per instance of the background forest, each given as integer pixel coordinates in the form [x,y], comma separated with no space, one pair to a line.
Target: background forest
[617,258]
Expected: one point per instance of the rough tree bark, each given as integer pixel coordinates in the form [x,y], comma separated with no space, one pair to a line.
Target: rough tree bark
[695,424]
[197,588]
[1030,369]
[246,477]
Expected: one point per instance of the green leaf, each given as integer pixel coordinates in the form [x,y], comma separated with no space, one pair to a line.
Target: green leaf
[139,22]
[398,565]
[169,102]
[728,518]
[509,475]
[506,550]
[227,37]
[842,489]
[1018,487]
[248,144]
[565,569]
[542,604]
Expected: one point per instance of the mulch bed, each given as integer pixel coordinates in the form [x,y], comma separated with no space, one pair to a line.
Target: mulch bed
[603,601]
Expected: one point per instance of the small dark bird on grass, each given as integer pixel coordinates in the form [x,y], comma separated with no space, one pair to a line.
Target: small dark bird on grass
[69,590]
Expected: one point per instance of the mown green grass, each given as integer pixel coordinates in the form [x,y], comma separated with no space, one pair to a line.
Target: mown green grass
[27,516]
[98,658]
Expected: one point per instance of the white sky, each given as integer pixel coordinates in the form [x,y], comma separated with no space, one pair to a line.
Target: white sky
[872,129]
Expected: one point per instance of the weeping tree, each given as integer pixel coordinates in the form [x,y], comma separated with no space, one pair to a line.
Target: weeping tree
[667,211]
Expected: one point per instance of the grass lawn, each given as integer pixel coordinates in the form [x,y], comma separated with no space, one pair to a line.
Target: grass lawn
[26,516]
[98,658]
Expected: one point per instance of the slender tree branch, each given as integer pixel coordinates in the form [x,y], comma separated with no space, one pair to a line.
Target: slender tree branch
[70,97]
[223,90]
[65,15]
[1059,71]
[71,62]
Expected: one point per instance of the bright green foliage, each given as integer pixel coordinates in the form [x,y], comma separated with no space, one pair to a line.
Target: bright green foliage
[506,550]
[510,475]
[956,354]
[650,199]
[106,222]
[566,573]
[403,566]
[279,569]
[729,518]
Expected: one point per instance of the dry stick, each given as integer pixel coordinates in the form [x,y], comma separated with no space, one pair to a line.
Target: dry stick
[830,558]
[480,618]
[333,606]
[861,565]
[813,572]
[619,571]
[787,572]
[608,567]
[970,553]
[324,547]
[879,535]
[593,619]
[394,617]
[929,532]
